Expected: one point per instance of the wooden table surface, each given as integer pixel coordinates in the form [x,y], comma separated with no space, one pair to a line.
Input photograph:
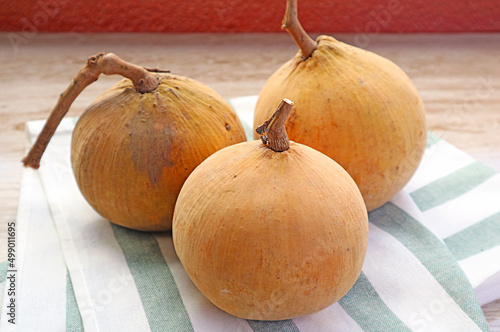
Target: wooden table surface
[458,77]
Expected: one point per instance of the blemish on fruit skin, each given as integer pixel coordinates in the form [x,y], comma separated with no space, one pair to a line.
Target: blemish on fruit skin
[228,127]
[151,144]
[174,93]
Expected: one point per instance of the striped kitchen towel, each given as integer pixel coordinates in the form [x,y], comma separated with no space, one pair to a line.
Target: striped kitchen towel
[429,249]
[44,298]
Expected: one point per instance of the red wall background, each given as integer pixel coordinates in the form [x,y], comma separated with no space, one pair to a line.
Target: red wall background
[249,16]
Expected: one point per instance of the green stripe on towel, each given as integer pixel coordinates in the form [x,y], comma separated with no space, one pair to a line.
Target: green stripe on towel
[368,310]
[159,293]
[73,318]
[475,239]
[275,326]
[451,186]
[433,254]
[3,271]
[431,139]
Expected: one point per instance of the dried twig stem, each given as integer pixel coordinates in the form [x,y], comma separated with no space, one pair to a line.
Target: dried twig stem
[276,138]
[102,63]
[291,23]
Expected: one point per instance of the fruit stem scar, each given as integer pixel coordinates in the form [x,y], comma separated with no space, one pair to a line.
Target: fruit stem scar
[276,138]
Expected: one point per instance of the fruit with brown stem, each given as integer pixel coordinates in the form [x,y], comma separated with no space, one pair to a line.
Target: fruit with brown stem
[271,231]
[136,144]
[356,107]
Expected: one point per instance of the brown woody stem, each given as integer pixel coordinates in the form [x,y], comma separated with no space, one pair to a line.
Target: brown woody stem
[102,63]
[276,138]
[291,23]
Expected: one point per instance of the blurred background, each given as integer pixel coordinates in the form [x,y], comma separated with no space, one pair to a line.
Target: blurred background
[368,16]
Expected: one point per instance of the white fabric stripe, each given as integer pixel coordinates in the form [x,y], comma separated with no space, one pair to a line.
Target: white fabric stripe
[467,209]
[4,326]
[489,263]
[35,231]
[439,160]
[409,289]
[332,319]
[23,213]
[404,201]
[489,290]
[3,309]
[2,289]
[103,285]
[35,288]
[245,107]
[71,257]
[203,314]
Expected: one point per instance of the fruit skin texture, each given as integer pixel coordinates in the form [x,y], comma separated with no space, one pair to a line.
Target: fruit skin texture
[270,236]
[356,107]
[132,152]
